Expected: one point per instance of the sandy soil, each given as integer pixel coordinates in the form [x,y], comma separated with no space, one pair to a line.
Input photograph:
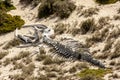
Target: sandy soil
[29,14]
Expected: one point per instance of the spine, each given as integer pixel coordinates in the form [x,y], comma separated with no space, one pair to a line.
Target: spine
[66,52]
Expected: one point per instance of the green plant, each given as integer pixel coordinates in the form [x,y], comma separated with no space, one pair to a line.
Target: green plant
[61,8]
[9,23]
[6,5]
[93,74]
[3,54]
[106,1]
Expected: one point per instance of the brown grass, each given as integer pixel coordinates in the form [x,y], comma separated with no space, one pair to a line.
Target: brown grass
[21,55]
[18,65]
[60,28]
[3,54]
[40,57]
[48,60]
[87,26]
[6,61]
[116,17]
[89,12]
[72,70]
[116,52]
[28,70]
[60,8]
[11,44]
[51,74]
[103,21]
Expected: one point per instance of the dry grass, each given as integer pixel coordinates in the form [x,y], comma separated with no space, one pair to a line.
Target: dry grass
[106,1]
[107,46]
[87,26]
[60,28]
[116,52]
[118,10]
[28,70]
[103,21]
[48,60]
[79,9]
[27,60]
[89,12]
[3,54]
[74,31]
[81,65]
[105,55]
[60,8]
[113,63]
[40,57]
[6,61]
[21,55]
[72,70]
[11,44]
[116,17]
[51,74]
[43,77]
[42,50]
[18,65]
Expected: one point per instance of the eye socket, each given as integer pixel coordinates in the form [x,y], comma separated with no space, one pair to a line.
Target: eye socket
[49,30]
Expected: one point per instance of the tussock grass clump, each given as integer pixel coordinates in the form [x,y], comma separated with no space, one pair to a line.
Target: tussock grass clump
[51,74]
[27,60]
[119,10]
[87,26]
[3,54]
[82,65]
[61,8]
[21,55]
[93,74]
[43,77]
[12,43]
[72,70]
[6,61]
[17,77]
[105,55]
[33,2]
[40,57]
[116,52]
[89,12]
[28,70]
[116,17]
[18,65]
[107,46]
[106,1]
[60,28]
[103,21]
[48,60]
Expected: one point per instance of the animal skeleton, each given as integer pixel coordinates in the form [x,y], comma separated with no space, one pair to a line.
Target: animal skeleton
[61,49]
